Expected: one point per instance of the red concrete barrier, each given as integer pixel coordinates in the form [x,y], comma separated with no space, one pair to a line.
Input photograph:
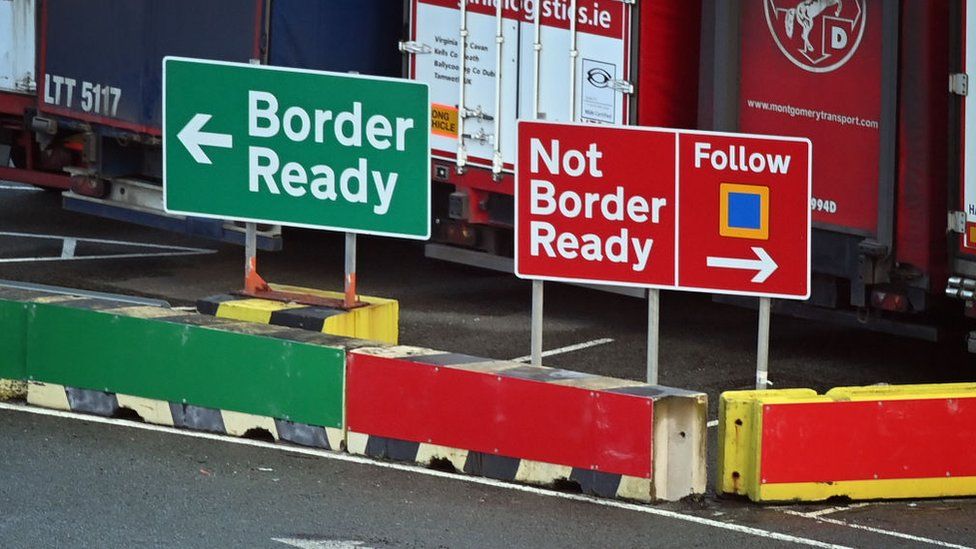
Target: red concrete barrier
[507,420]
[876,442]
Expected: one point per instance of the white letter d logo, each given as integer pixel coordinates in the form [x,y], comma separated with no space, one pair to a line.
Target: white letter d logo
[838,38]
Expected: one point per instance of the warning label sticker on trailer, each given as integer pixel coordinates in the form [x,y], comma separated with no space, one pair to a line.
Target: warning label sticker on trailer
[444,121]
[599,96]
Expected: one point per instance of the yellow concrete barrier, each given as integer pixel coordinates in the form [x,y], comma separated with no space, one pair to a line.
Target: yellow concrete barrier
[378,320]
[874,442]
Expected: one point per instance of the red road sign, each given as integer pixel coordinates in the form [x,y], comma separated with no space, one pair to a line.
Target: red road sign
[696,211]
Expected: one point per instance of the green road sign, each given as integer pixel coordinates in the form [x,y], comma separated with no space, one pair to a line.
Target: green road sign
[296,147]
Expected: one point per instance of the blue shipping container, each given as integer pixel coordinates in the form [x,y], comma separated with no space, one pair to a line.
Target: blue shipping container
[337,35]
[102,59]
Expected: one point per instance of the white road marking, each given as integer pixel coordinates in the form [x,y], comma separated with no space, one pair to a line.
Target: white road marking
[27,188]
[321,543]
[567,349]
[832,510]
[647,509]
[101,241]
[712,423]
[882,531]
[68,248]
[69,244]
[108,256]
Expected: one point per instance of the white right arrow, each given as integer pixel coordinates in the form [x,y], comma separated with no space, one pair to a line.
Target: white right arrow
[764,266]
[193,137]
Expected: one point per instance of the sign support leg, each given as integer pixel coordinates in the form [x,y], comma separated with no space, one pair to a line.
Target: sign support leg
[653,333]
[350,279]
[762,358]
[253,283]
[537,293]
[250,253]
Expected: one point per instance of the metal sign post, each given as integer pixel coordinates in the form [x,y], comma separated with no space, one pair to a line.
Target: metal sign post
[762,358]
[653,333]
[253,282]
[537,295]
[250,250]
[251,244]
[538,286]
[350,298]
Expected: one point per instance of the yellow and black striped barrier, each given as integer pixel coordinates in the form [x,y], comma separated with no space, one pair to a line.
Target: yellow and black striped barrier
[377,320]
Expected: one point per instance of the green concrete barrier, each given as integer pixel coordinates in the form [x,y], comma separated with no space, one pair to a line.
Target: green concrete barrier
[173,367]
[13,343]
[172,359]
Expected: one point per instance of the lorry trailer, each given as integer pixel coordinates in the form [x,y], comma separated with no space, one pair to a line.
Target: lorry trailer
[879,86]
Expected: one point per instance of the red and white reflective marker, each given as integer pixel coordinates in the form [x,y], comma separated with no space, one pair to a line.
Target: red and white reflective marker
[664,209]
[658,208]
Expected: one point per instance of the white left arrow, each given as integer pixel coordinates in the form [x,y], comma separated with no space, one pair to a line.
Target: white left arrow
[764,266]
[193,138]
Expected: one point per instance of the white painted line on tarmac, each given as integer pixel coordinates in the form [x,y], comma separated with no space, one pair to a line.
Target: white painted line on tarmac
[567,349]
[321,543]
[70,243]
[732,527]
[26,188]
[712,423]
[107,256]
[832,510]
[882,531]
[103,241]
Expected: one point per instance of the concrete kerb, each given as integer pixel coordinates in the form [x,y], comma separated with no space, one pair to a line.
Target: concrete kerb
[609,437]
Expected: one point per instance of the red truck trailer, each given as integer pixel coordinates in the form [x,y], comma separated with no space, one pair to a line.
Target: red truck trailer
[879,86]
[595,61]
[961,284]
[21,158]
[868,81]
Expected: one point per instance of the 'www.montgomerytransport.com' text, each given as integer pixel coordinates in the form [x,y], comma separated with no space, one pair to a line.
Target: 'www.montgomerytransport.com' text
[818,115]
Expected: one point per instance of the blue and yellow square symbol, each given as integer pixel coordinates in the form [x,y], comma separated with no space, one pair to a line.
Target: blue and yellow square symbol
[744,211]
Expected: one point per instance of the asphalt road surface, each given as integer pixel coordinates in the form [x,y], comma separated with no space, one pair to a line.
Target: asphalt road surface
[69,482]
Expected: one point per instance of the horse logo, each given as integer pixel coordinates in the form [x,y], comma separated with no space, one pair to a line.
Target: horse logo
[817,35]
